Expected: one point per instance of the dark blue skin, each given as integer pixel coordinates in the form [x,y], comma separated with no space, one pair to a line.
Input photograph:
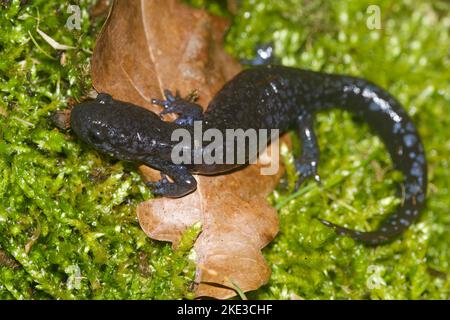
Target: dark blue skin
[271,97]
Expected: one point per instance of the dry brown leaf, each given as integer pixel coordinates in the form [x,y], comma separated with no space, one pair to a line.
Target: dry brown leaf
[101,7]
[148,46]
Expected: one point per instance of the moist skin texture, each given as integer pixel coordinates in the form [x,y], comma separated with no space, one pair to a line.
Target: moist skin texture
[265,97]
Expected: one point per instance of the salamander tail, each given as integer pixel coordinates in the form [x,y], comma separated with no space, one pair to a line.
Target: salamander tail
[390,122]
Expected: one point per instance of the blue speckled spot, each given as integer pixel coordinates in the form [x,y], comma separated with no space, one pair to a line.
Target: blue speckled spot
[416,169]
[404,222]
[374,106]
[410,127]
[413,188]
[421,197]
[420,158]
[397,128]
[410,140]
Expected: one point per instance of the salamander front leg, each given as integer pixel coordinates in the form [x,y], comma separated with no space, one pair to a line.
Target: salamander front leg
[186,109]
[306,164]
[183,182]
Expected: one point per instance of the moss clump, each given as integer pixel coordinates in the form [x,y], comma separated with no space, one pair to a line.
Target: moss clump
[67,222]
[409,57]
[67,214]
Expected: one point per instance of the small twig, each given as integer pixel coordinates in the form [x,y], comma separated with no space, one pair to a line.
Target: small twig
[34,237]
[342,203]
[39,48]
[237,289]
[53,43]
[25,122]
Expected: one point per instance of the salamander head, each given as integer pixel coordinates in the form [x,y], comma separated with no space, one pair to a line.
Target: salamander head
[118,128]
[88,120]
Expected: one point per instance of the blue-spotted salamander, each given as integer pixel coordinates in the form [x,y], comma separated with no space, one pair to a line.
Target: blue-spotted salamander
[270,97]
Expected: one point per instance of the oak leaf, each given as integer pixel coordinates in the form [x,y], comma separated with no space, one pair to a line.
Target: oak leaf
[144,48]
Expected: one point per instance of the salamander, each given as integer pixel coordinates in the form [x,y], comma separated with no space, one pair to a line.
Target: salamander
[262,97]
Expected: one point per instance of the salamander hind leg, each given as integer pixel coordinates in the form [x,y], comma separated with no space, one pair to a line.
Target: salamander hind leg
[186,108]
[306,164]
[183,182]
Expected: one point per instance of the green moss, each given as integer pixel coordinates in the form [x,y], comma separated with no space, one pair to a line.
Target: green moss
[408,56]
[67,214]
